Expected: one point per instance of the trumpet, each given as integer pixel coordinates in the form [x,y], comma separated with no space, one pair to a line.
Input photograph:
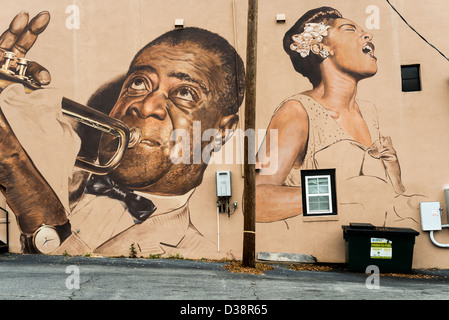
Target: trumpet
[128,137]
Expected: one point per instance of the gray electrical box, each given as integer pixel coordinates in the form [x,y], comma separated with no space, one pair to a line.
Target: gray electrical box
[430,216]
[223,182]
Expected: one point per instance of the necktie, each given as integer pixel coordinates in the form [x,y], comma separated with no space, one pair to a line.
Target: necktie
[139,207]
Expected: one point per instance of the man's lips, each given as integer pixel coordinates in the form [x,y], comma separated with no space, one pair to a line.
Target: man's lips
[149,138]
[150,142]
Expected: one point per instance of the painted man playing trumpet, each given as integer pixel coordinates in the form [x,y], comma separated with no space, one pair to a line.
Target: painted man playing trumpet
[161,92]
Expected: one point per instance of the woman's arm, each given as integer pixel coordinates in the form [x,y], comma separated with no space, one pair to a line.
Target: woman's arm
[284,146]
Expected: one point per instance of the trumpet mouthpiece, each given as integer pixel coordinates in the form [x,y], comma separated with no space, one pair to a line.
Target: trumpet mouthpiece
[135,136]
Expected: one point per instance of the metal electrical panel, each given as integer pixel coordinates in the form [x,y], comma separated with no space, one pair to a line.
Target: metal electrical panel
[430,216]
[223,182]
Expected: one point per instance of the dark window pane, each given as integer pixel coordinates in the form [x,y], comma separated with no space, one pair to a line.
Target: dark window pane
[409,72]
[411,85]
[411,80]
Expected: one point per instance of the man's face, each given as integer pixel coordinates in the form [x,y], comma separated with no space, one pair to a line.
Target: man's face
[168,88]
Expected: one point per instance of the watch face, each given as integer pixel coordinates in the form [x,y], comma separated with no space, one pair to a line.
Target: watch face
[46,239]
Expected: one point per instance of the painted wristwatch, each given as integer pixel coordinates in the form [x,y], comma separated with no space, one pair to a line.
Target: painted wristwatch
[46,239]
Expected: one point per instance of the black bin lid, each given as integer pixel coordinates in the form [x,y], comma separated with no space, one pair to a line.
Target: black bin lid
[368,228]
[357,225]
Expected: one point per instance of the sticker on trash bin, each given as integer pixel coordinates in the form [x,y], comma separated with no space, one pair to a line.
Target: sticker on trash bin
[381,248]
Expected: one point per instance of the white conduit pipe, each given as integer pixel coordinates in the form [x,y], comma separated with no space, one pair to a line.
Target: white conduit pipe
[437,243]
[218,228]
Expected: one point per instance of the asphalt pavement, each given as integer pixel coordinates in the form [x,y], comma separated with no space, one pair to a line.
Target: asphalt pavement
[193,285]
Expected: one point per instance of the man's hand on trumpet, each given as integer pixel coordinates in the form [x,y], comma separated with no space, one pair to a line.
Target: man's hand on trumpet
[20,37]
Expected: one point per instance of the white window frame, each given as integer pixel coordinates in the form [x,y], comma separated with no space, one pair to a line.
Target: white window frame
[324,194]
[329,174]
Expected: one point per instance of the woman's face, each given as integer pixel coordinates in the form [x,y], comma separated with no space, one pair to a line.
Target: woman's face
[351,49]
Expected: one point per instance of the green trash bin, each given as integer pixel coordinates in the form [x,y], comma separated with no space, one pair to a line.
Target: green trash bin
[390,249]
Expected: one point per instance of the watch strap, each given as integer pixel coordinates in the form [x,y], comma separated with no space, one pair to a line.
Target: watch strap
[26,243]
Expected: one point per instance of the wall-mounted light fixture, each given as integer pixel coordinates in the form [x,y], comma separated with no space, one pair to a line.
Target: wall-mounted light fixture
[280,18]
[179,23]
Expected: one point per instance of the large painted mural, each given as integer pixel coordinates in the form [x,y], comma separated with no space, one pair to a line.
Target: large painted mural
[330,127]
[108,130]
[55,164]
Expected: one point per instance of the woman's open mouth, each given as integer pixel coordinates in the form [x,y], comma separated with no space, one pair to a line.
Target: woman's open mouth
[368,49]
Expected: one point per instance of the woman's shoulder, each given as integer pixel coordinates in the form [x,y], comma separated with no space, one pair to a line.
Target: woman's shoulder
[292,107]
[297,102]
[300,98]
[290,112]
[304,104]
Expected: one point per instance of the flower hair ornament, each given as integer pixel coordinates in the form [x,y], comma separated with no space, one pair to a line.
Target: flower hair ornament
[313,34]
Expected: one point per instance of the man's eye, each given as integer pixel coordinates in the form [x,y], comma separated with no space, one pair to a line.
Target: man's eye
[186,94]
[138,84]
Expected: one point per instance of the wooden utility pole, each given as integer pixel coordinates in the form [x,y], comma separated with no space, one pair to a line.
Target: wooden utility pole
[249,194]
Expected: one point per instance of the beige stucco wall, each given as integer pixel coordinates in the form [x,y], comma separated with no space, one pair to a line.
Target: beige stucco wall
[111,32]
[416,121]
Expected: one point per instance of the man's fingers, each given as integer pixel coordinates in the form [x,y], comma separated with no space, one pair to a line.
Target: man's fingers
[38,73]
[29,35]
[16,27]
[20,37]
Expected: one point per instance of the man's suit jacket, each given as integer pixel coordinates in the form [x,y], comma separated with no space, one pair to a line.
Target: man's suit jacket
[103,226]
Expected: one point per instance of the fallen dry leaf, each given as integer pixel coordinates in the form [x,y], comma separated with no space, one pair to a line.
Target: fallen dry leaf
[237,267]
[310,267]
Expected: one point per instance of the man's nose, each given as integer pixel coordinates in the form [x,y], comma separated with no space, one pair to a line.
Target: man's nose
[153,105]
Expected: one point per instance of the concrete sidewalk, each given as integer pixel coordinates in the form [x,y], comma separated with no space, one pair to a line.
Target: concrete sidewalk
[38,277]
